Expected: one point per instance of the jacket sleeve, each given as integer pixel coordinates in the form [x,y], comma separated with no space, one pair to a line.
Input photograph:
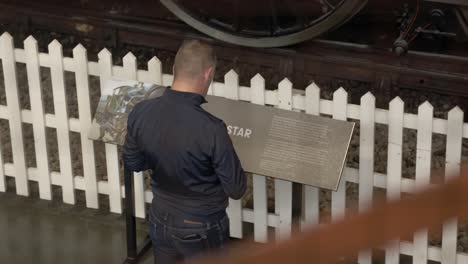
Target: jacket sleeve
[227,165]
[133,157]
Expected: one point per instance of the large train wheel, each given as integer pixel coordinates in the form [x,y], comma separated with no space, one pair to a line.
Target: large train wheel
[264,23]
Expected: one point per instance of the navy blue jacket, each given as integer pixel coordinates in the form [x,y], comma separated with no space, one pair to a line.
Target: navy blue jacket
[195,167]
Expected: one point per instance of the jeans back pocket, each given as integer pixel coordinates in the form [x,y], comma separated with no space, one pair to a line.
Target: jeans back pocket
[190,244]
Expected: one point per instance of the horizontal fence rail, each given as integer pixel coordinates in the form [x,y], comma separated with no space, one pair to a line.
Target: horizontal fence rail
[285,97]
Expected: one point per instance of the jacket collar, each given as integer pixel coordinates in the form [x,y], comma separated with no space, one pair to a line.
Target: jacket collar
[194,98]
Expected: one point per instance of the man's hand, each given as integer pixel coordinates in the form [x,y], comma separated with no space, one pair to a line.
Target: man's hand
[227,165]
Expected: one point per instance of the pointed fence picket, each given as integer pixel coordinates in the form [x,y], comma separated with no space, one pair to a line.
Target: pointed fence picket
[284,97]
[84,112]
[423,173]
[14,113]
[366,160]
[260,198]
[394,167]
[112,159]
[283,189]
[155,71]
[37,111]
[231,91]
[57,73]
[452,168]
[338,205]
[130,69]
[311,206]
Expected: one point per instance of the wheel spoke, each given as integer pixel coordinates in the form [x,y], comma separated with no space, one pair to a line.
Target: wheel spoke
[297,13]
[237,17]
[326,2]
[274,18]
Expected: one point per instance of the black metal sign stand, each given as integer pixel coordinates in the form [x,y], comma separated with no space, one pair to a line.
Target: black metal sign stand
[133,254]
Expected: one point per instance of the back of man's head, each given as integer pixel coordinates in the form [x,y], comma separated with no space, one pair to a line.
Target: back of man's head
[193,60]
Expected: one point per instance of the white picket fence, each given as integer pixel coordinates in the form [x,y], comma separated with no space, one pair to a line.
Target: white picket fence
[284,97]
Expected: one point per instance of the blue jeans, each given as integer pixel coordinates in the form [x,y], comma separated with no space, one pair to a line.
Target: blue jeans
[176,238]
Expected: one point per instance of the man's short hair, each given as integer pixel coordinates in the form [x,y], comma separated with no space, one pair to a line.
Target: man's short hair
[193,58]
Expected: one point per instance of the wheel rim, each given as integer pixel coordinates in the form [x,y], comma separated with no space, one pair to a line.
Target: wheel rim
[343,10]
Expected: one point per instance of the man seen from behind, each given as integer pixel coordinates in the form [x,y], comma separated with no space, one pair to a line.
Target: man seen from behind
[195,168]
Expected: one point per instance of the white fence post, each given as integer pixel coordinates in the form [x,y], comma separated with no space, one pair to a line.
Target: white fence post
[366,161]
[14,113]
[338,205]
[155,71]
[38,116]
[156,77]
[260,198]
[231,91]
[84,111]
[452,169]
[130,69]
[61,117]
[284,189]
[394,167]
[210,89]
[112,159]
[311,209]
[423,173]
[2,165]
